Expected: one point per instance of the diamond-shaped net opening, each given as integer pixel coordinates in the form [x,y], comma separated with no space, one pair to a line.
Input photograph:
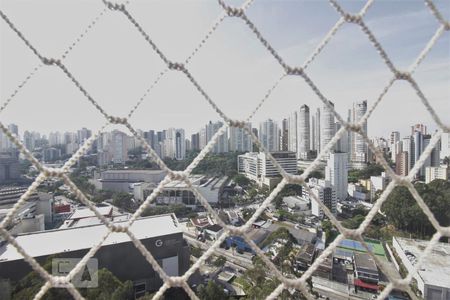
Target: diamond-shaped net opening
[282,281]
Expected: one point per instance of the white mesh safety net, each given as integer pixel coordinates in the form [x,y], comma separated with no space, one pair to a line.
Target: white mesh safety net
[238,13]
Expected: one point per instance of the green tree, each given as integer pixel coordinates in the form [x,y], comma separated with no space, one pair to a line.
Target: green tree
[241,180]
[212,291]
[109,287]
[220,261]
[403,211]
[123,200]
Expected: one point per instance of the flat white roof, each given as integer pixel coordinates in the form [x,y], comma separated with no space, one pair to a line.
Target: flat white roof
[86,212]
[435,269]
[62,240]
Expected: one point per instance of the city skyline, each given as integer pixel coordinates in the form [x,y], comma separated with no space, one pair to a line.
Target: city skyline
[235,80]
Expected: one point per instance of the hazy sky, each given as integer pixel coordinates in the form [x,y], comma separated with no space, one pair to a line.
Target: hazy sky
[115,64]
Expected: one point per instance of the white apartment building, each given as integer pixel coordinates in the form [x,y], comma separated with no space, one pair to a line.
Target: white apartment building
[221,145]
[328,126]
[269,135]
[258,167]
[359,149]
[432,173]
[240,140]
[304,134]
[445,145]
[325,192]
[378,183]
[336,172]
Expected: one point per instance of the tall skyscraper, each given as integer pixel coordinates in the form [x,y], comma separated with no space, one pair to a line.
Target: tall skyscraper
[394,138]
[179,144]
[445,145]
[401,165]
[342,144]
[150,137]
[293,142]
[420,128]
[203,139]
[284,135]
[268,135]
[336,172]
[313,132]
[83,135]
[327,126]
[433,159]
[318,131]
[304,131]
[418,145]
[119,147]
[408,146]
[28,140]
[195,141]
[360,149]
[240,140]
[221,145]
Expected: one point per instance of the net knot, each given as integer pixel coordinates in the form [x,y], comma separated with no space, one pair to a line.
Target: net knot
[175,66]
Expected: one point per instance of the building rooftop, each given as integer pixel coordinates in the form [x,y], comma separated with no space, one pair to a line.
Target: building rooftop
[374,246]
[435,269]
[365,261]
[86,212]
[50,242]
[214,228]
[257,235]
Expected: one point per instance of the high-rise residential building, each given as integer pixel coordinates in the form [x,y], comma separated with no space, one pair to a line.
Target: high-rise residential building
[350,136]
[317,131]
[179,144]
[14,129]
[240,139]
[119,147]
[328,126]
[394,138]
[401,163]
[55,138]
[418,148]
[203,139]
[258,167]
[293,132]
[284,142]
[195,141]
[150,137]
[432,173]
[83,135]
[433,159]
[268,135]
[28,140]
[420,128]
[255,131]
[342,144]
[303,133]
[188,145]
[324,192]
[445,145]
[360,149]
[313,132]
[336,172]
[221,145]
[408,146]
[160,136]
